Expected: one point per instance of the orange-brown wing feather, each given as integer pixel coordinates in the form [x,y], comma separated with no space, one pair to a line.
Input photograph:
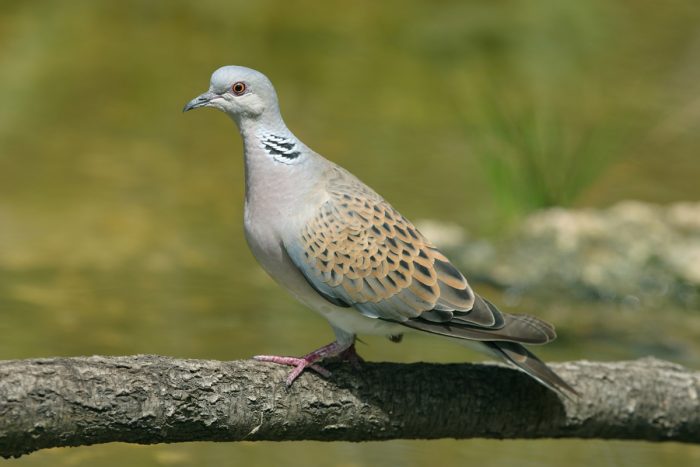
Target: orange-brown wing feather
[359,249]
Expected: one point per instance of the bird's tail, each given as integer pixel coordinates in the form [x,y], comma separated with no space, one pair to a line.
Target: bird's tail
[528,362]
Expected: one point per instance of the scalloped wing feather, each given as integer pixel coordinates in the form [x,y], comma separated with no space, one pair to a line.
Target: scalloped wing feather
[358,249]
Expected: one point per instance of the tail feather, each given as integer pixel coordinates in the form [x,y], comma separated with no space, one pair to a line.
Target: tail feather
[528,362]
[503,339]
[516,328]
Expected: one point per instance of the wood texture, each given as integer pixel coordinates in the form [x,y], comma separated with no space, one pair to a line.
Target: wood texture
[151,399]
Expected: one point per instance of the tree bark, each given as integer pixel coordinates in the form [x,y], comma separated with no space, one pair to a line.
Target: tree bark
[151,399]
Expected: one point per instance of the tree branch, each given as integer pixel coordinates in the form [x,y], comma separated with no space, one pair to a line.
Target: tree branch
[151,399]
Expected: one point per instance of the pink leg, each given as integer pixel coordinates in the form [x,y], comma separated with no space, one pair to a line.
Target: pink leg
[334,349]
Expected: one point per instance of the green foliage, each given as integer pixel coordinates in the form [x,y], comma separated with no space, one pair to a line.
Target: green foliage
[541,157]
[536,119]
[553,94]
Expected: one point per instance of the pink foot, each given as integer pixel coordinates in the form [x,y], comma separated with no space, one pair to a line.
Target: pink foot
[300,365]
[309,360]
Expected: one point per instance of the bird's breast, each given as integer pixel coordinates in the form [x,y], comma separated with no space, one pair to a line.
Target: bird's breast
[265,233]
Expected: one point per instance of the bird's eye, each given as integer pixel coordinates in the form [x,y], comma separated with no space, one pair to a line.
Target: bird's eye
[238,88]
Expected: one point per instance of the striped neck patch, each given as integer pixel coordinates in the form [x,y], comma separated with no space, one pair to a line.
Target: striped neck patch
[281,148]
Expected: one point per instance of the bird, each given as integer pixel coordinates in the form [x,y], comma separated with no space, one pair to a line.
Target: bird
[342,250]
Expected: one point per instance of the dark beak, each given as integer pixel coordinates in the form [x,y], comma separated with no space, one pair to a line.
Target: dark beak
[199,101]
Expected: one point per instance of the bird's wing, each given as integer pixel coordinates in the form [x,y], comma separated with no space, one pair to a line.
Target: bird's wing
[359,251]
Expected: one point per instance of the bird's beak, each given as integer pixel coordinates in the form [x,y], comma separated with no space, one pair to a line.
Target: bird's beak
[200,101]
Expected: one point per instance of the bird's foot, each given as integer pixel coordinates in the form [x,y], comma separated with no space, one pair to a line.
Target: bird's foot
[334,349]
[299,364]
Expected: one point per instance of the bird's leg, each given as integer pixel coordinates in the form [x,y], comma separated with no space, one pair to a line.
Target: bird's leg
[351,355]
[345,350]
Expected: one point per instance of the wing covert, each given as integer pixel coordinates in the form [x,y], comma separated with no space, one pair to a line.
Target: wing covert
[359,250]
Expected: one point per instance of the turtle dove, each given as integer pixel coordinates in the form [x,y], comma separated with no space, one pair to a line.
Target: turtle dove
[346,253]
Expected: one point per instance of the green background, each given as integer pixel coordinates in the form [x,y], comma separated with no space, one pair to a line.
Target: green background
[120,217]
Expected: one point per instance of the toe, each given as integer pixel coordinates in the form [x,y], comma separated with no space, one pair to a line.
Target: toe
[320,370]
[291,361]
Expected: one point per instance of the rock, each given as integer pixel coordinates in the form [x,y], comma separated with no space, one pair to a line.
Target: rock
[445,234]
[632,252]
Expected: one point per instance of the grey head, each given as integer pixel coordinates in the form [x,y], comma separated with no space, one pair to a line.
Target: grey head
[248,97]
[242,93]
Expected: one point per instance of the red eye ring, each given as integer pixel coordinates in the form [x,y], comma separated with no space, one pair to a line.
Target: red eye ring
[238,88]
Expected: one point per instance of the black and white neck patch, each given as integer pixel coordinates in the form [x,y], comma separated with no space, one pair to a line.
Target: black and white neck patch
[282,149]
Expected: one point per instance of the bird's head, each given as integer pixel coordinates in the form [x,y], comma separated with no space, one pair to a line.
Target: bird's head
[240,92]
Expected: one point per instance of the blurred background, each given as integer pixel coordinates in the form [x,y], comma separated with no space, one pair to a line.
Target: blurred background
[501,126]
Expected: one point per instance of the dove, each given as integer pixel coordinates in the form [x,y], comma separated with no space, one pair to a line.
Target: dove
[342,250]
